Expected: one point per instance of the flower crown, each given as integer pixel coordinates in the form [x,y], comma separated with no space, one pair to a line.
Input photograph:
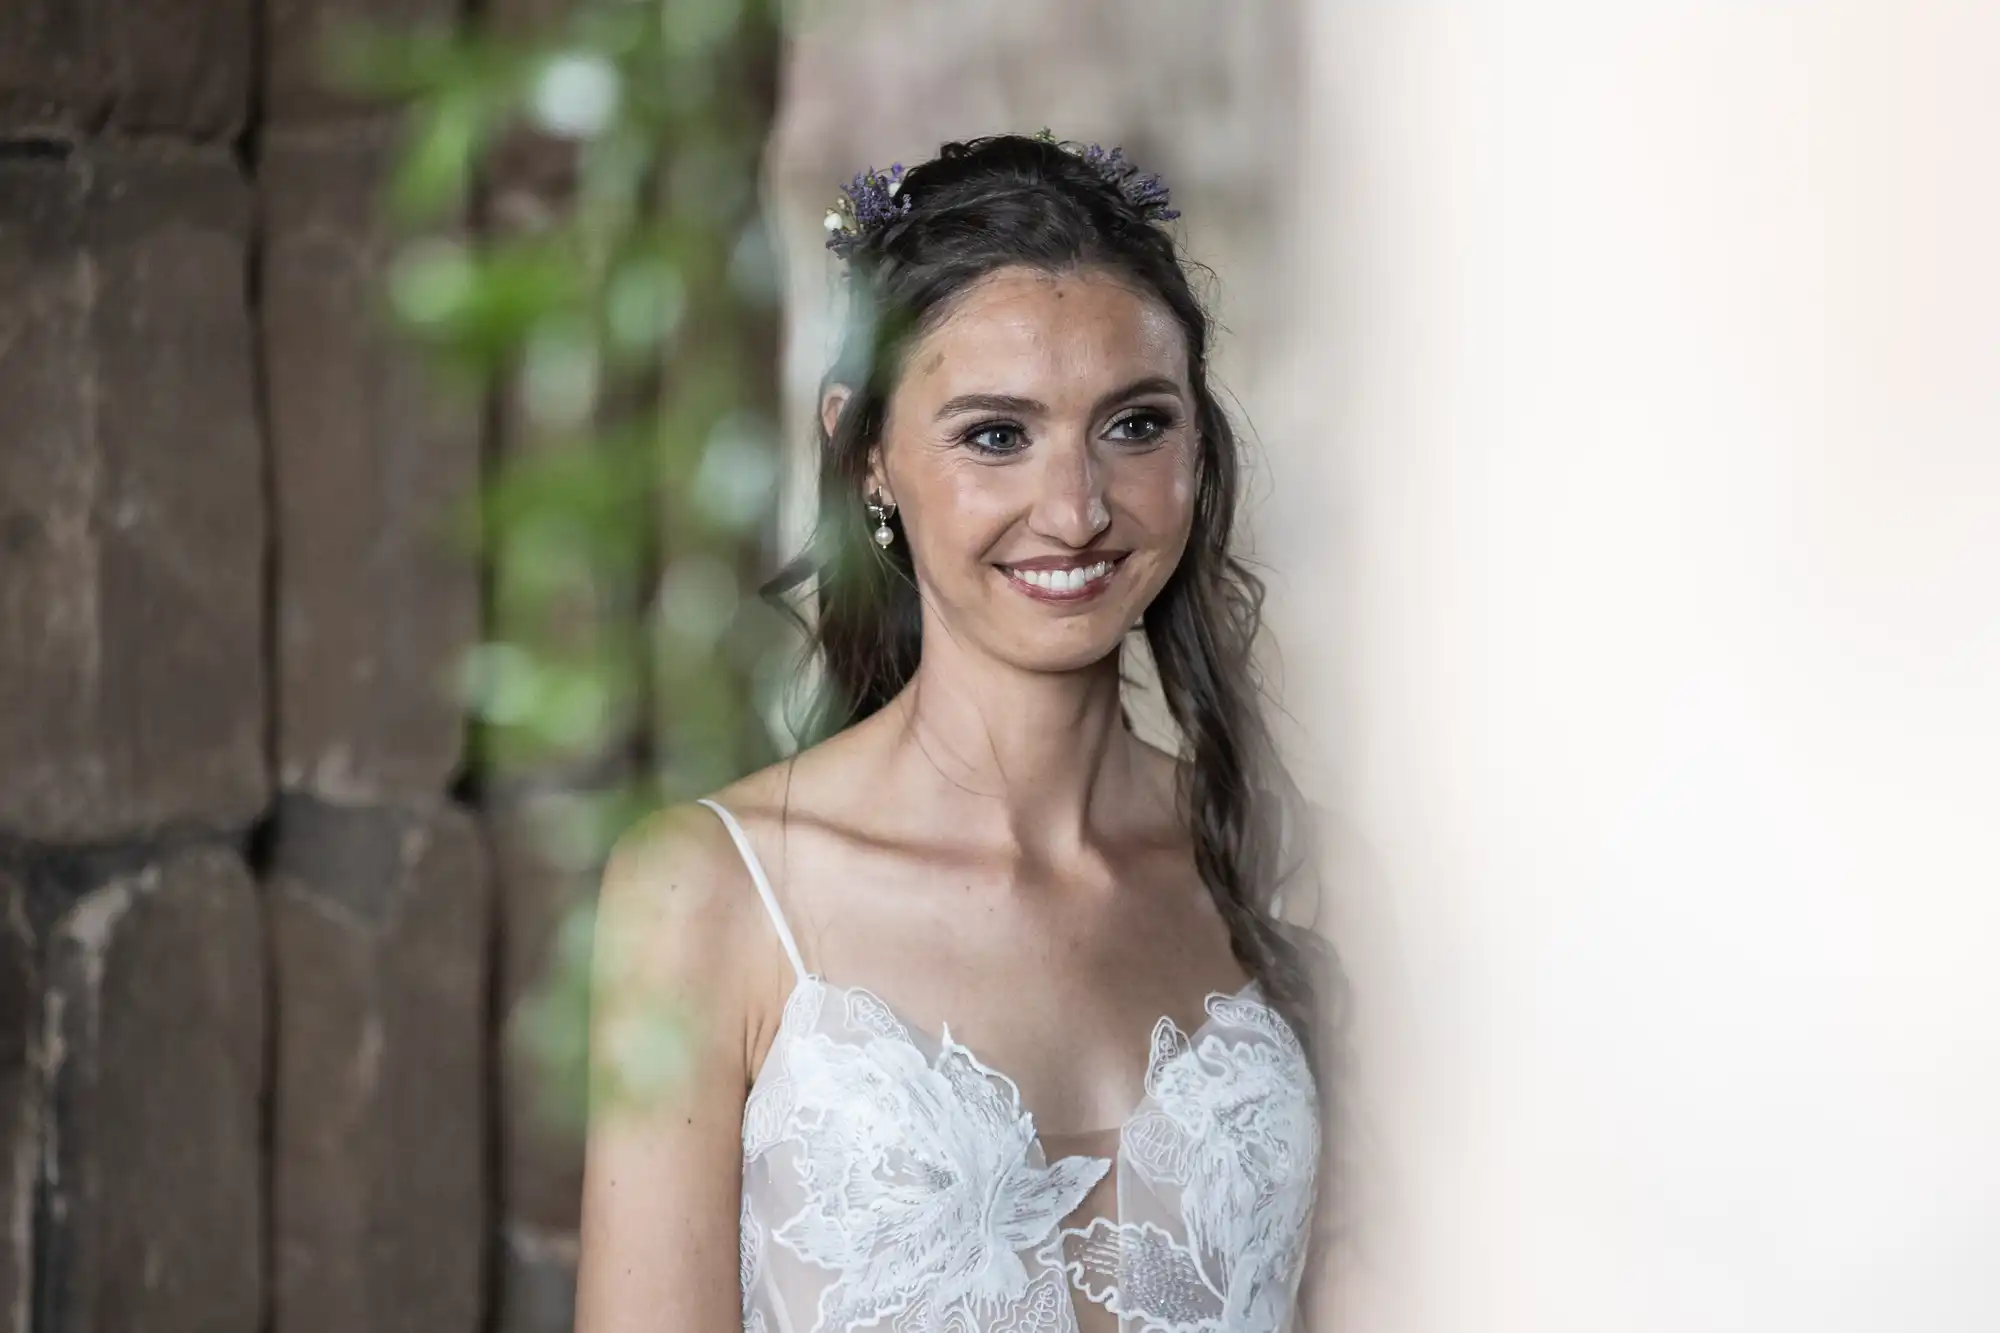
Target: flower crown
[874,199]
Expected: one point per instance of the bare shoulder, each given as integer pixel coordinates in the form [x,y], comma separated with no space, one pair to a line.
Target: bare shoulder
[676,907]
[678,862]
[677,885]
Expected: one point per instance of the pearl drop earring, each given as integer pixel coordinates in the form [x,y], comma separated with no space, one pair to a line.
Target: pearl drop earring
[880,512]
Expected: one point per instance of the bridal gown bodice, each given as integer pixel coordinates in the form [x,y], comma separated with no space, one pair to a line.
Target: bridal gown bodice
[893,1181]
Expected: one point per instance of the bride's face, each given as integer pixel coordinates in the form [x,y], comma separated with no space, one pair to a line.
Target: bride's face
[1041,448]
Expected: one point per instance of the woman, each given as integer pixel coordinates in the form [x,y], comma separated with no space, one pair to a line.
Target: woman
[997,1028]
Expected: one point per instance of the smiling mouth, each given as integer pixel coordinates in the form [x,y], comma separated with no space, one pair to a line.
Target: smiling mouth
[1069,584]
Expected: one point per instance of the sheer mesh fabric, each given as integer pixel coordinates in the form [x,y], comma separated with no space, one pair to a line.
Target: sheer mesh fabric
[892,1179]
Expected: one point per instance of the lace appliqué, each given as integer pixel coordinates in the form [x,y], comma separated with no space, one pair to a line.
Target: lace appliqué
[750,1264]
[768,1112]
[920,1179]
[1043,1308]
[919,1183]
[1229,1137]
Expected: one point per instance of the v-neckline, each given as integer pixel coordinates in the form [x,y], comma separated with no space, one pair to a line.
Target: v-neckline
[1249,990]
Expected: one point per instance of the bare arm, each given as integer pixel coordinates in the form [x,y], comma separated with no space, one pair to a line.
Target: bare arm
[662,1169]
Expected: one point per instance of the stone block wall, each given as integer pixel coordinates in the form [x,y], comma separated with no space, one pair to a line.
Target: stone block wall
[133,668]
[132,483]
[246,1044]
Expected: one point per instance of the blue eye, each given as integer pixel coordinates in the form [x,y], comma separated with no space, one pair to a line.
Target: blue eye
[992,428]
[1155,425]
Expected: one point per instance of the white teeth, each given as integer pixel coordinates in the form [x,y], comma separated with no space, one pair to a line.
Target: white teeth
[1064,580]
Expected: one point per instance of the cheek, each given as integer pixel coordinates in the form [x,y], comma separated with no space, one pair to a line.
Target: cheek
[1156,491]
[971,493]
[964,507]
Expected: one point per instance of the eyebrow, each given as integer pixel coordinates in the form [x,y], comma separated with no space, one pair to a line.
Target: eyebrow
[1007,402]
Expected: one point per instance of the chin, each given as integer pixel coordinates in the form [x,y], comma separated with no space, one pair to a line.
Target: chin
[1074,643]
[1057,660]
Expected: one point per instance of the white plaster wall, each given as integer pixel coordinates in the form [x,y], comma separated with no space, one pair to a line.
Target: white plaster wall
[1660,347]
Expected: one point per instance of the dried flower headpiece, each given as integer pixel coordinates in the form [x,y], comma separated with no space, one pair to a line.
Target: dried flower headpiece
[1143,190]
[874,198]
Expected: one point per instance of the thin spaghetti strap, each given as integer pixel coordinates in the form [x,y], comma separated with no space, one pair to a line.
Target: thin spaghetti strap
[763,882]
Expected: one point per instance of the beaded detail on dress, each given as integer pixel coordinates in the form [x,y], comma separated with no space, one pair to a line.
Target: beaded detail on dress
[892,1179]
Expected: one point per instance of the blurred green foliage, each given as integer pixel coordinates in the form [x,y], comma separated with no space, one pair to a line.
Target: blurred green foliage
[624,330]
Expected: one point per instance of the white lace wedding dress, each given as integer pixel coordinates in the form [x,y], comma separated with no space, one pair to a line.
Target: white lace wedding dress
[892,1180]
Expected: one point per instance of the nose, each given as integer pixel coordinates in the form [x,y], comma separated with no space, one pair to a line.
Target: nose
[1070,504]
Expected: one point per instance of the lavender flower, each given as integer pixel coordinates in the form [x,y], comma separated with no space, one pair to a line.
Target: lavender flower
[1143,190]
[872,199]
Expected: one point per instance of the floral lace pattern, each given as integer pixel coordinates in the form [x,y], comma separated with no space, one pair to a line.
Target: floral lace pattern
[1230,1148]
[892,1180]
[918,1175]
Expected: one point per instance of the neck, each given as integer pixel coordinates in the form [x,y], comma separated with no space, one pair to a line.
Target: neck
[1032,759]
